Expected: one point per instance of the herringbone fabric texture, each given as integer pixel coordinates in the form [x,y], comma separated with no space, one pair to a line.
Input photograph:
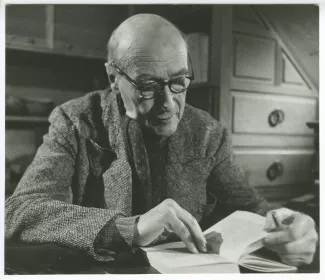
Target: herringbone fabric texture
[81,181]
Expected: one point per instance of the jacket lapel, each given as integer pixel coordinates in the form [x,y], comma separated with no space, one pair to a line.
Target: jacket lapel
[187,169]
[180,144]
[118,177]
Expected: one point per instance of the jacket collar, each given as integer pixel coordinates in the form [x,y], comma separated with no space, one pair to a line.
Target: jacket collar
[180,145]
[112,121]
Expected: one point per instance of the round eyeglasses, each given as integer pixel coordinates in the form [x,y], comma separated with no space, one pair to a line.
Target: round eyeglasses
[150,89]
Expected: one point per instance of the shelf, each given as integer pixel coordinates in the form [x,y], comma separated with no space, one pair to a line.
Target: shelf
[26,119]
[23,43]
[304,198]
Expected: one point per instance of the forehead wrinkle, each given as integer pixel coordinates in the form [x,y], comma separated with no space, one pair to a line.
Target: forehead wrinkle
[147,65]
[146,34]
[157,71]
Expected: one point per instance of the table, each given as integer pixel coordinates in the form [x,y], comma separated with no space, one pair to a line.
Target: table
[54,259]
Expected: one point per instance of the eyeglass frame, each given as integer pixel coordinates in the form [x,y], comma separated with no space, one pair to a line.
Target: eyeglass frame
[163,83]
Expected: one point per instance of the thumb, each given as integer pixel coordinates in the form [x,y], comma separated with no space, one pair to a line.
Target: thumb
[269,222]
[283,214]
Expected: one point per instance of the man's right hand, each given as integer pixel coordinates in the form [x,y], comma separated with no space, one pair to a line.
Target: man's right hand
[168,215]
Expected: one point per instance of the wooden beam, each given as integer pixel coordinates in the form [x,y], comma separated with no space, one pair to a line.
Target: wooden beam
[49,25]
[131,10]
[220,62]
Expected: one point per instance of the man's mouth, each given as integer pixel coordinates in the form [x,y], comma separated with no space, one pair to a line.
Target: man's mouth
[164,118]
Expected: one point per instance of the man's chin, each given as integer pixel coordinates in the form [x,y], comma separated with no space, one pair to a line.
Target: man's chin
[164,130]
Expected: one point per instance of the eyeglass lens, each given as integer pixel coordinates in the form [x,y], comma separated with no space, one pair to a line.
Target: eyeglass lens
[176,85]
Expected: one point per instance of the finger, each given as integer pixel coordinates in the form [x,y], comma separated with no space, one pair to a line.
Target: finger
[182,232]
[297,259]
[269,222]
[300,226]
[277,238]
[284,213]
[305,245]
[193,227]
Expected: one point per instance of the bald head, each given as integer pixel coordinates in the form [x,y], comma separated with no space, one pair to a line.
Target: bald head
[139,33]
[150,51]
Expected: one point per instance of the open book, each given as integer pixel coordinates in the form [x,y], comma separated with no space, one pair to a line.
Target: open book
[242,233]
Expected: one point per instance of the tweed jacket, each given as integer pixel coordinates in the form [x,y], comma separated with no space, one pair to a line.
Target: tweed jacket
[80,180]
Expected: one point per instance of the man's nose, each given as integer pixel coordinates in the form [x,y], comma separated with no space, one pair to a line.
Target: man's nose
[167,98]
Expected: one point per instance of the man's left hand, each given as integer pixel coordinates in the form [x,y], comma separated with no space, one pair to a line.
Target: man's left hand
[293,239]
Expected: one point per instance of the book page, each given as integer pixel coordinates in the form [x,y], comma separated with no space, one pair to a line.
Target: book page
[263,264]
[203,269]
[176,255]
[239,230]
[253,247]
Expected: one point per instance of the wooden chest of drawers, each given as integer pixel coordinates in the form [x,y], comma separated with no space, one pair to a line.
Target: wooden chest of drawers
[270,101]
[262,113]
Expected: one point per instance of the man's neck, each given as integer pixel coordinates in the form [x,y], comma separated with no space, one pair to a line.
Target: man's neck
[152,140]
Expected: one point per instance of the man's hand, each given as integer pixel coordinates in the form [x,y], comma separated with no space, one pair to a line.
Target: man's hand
[294,238]
[169,216]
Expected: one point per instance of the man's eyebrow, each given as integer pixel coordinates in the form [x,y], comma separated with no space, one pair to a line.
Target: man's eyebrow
[182,71]
[146,76]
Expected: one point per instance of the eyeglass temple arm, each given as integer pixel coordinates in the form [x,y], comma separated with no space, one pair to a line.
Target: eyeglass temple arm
[189,58]
[124,75]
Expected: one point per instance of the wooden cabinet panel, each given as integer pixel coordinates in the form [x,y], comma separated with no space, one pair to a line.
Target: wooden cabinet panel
[26,27]
[254,58]
[245,20]
[255,113]
[290,74]
[26,20]
[261,166]
[298,27]
[77,30]
[86,28]
[275,140]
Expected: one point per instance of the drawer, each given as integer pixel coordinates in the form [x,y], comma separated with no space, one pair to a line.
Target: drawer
[276,167]
[256,113]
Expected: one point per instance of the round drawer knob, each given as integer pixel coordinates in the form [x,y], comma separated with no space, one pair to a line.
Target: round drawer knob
[275,170]
[276,117]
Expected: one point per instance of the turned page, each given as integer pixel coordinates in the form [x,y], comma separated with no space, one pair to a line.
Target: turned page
[175,254]
[239,230]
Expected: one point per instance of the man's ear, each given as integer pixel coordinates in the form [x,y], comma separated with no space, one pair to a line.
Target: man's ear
[112,79]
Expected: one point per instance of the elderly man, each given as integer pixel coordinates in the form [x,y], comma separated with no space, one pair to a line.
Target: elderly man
[125,167]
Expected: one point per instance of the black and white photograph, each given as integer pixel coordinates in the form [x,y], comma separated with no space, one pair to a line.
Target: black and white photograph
[145,138]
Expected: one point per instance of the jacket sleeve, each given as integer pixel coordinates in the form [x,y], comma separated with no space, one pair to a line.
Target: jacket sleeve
[41,210]
[231,186]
